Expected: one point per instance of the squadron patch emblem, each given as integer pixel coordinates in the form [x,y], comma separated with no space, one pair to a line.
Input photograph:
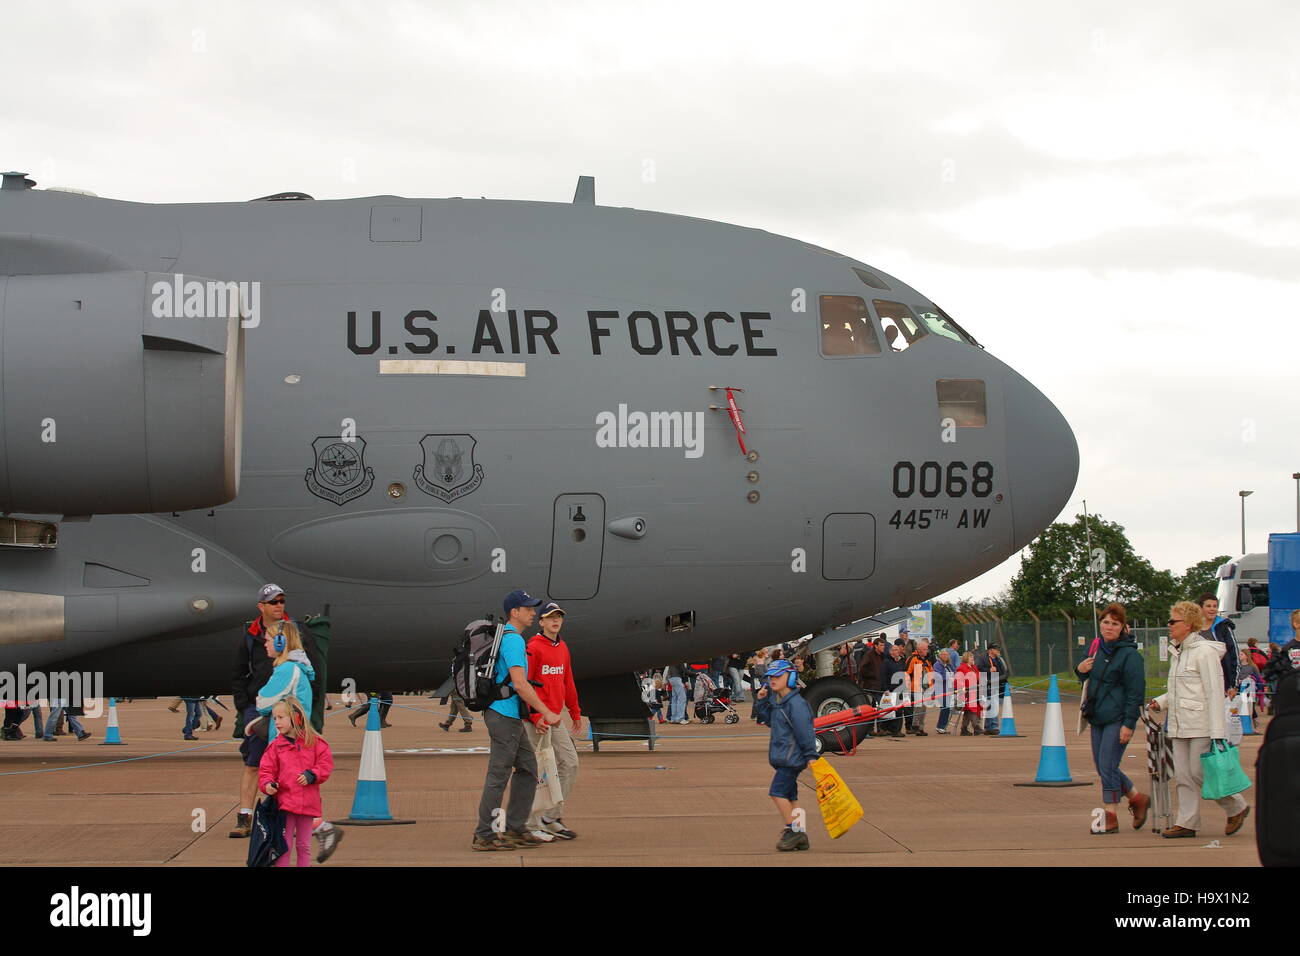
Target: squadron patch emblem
[448,471]
[340,473]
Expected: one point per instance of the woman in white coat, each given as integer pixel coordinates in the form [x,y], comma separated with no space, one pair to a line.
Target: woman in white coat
[1194,703]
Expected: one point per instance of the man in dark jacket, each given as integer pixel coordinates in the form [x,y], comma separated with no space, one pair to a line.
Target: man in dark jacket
[1224,631]
[993,686]
[893,675]
[869,669]
[253,667]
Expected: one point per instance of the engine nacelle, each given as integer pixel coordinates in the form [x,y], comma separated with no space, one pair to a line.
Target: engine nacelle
[115,401]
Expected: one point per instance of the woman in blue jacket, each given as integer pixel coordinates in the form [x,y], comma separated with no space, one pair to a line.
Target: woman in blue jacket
[292,675]
[1116,689]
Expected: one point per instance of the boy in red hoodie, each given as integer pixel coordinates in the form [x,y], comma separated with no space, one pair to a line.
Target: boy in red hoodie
[550,666]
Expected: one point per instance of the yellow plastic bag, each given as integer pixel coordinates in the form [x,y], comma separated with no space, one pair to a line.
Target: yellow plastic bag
[840,809]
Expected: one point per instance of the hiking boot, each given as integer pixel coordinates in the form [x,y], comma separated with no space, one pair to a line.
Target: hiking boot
[1138,804]
[1175,833]
[1112,824]
[496,843]
[467,729]
[966,733]
[445,727]
[243,827]
[83,735]
[920,733]
[1235,821]
[520,840]
[792,840]
[992,733]
[329,842]
[216,722]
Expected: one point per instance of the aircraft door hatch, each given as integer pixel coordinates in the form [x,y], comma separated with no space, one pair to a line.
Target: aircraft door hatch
[577,546]
[848,547]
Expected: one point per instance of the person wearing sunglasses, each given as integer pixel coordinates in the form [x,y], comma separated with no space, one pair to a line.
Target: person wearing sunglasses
[1194,703]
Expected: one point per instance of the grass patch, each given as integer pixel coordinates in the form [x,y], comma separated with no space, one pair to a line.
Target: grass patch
[1069,684]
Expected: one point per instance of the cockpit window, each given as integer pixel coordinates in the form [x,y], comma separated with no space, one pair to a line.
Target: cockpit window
[963,401]
[846,326]
[941,323]
[938,325]
[900,326]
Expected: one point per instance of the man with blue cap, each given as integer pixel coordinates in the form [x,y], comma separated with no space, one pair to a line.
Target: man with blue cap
[792,748]
[511,748]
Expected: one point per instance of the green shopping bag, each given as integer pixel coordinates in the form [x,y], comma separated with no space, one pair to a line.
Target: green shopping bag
[1221,771]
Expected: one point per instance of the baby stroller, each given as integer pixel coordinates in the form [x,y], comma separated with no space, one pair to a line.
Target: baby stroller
[713,701]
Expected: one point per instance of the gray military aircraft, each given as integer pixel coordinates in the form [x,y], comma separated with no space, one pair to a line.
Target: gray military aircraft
[401,409]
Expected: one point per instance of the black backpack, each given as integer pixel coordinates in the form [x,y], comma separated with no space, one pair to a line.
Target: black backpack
[1277,778]
[474,663]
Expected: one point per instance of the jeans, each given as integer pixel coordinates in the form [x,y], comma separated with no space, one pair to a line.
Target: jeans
[677,706]
[74,724]
[511,751]
[944,714]
[1107,752]
[191,717]
[737,688]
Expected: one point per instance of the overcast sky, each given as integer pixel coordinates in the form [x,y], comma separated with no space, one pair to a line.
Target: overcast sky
[1108,199]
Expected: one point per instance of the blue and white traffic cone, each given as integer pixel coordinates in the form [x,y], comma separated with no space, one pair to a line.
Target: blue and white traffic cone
[1053,768]
[112,736]
[370,802]
[1008,726]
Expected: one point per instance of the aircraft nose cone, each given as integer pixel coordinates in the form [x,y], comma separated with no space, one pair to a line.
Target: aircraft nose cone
[1042,459]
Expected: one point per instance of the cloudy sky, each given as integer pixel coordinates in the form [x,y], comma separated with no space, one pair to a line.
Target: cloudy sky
[1109,198]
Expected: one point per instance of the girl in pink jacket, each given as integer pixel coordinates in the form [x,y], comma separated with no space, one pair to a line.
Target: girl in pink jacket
[294,766]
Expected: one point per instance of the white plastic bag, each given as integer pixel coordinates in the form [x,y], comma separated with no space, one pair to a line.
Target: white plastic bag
[549,792]
[1232,716]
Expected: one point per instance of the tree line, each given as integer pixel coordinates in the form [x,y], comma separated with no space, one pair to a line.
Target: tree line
[1053,578]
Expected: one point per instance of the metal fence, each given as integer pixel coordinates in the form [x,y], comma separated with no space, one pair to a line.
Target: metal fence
[1054,647]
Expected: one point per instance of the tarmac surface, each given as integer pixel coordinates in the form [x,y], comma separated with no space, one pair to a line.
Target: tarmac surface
[700,798]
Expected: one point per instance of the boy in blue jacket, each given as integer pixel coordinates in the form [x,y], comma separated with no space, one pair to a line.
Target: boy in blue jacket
[793,745]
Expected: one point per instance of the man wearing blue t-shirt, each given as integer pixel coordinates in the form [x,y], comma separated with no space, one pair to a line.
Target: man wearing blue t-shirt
[511,749]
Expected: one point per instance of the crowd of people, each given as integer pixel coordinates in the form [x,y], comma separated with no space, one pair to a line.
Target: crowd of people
[906,679]
[1207,671]
[275,684]
[64,719]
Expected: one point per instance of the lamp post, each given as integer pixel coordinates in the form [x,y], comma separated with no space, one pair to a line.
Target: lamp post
[1243,495]
[1296,476]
